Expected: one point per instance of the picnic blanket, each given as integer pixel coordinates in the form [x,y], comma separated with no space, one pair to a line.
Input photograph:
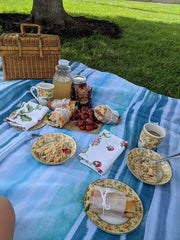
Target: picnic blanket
[48,200]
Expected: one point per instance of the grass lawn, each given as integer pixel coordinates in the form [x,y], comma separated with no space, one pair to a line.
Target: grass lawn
[146,55]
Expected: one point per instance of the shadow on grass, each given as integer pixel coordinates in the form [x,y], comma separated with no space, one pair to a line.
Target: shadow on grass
[146,54]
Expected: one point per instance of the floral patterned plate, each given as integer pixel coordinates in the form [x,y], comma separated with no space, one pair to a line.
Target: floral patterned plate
[53,138]
[131,224]
[138,153]
[41,123]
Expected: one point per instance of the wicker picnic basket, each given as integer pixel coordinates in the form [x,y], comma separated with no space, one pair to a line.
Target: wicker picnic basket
[29,55]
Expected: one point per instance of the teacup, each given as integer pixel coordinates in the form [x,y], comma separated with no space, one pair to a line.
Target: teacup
[151,136]
[45,92]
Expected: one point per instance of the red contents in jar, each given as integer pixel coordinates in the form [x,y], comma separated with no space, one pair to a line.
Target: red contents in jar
[85,96]
[81,92]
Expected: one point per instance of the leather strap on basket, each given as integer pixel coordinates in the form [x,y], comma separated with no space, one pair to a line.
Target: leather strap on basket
[19,45]
[23,33]
[40,46]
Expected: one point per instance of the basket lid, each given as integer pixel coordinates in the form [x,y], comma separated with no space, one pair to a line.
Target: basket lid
[29,40]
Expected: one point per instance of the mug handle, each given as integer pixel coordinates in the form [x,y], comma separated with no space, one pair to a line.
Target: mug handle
[31,90]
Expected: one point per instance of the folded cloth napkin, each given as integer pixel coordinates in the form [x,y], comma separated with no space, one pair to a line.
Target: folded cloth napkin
[103,151]
[27,116]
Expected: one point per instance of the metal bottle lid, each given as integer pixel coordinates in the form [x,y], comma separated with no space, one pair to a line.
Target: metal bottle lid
[79,79]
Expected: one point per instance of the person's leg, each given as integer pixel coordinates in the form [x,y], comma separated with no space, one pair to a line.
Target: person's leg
[7,219]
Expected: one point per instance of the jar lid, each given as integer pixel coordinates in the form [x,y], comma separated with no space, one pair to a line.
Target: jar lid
[79,79]
[63,68]
[63,62]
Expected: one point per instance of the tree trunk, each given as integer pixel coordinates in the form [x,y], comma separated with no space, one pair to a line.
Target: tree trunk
[49,12]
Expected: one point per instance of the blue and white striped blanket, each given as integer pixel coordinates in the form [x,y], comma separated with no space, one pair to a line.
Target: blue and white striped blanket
[48,199]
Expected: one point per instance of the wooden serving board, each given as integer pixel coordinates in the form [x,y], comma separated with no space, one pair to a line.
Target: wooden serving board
[71,126]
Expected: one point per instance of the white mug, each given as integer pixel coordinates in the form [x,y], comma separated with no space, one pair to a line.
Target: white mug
[45,92]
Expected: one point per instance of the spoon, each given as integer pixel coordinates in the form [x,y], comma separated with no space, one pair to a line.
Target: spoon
[143,159]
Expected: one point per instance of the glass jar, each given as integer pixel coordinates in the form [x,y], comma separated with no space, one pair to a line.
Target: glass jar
[85,96]
[81,92]
[77,81]
[62,82]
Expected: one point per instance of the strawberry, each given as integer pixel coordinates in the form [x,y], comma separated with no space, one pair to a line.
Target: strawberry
[67,150]
[97,163]
[91,127]
[76,123]
[89,121]
[86,115]
[110,148]
[125,143]
[90,110]
[83,116]
[83,108]
[73,118]
[88,128]
[81,123]
[83,127]
[92,118]
[95,126]
[83,85]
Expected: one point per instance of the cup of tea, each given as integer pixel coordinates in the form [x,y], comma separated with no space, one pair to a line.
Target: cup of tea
[151,136]
[44,92]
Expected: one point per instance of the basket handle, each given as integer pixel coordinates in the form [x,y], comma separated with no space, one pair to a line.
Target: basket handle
[29,25]
[23,32]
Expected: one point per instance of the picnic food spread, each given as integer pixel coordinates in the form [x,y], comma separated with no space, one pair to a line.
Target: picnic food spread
[71,108]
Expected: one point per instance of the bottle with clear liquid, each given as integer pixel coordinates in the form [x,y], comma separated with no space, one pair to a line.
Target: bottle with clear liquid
[62,81]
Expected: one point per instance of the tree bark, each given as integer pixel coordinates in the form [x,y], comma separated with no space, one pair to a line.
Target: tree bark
[49,12]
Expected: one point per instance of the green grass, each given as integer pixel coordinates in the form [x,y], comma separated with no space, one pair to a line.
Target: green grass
[148,52]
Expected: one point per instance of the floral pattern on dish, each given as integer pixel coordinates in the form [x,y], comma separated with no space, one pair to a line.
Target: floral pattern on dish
[131,224]
[143,152]
[52,138]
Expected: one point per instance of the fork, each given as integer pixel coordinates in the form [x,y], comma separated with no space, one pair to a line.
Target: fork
[143,159]
[36,135]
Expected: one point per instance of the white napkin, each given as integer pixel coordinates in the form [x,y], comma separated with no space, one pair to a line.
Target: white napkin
[27,116]
[103,151]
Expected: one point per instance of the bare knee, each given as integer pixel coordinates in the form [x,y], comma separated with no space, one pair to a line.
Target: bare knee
[7,219]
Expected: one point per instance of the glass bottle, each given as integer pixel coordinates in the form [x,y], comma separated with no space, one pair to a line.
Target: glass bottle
[62,81]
